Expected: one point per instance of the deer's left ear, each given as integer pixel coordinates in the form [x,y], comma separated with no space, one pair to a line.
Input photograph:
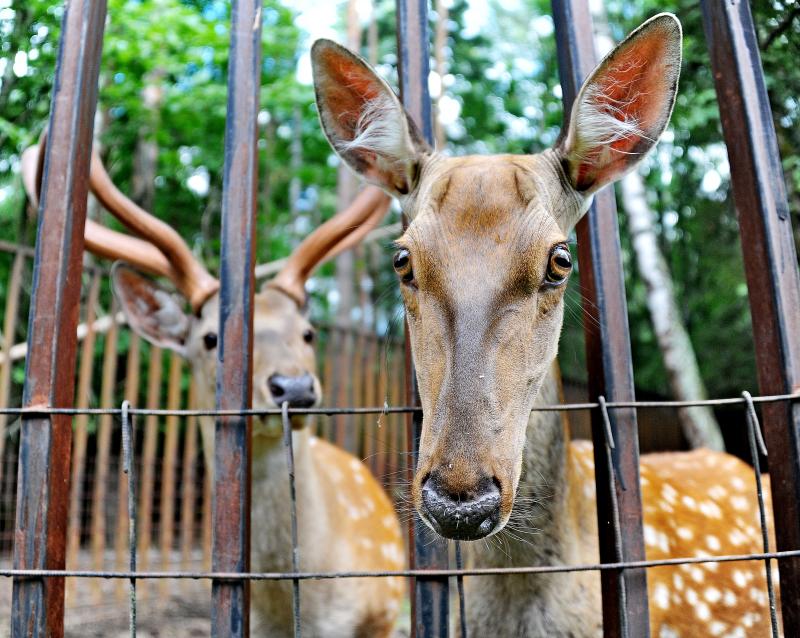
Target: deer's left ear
[624,106]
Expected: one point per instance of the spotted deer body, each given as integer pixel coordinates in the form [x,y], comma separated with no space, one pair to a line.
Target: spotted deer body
[345,520]
[483,266]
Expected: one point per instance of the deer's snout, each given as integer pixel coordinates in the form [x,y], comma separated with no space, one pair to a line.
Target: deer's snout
[298,392]
[461,515]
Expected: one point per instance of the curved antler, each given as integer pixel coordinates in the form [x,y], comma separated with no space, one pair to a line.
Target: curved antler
[188,274]
[99,240]
[342,231]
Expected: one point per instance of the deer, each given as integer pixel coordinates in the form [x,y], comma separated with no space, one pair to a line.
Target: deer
[345,520]
[482,268]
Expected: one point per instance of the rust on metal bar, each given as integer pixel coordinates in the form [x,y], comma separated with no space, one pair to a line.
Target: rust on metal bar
[608,355]
[230,613]
[37,607]
[770,263]
[429,604]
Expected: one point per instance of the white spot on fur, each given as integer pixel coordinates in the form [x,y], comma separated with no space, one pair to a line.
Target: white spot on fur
[685,533]
[716,628]
[388,520]
[661,596]
[739,502]
[691,597]
[710,509]
[392,552]
[738,483]
[367,543]
[697,574]
[689,502]
[737,537]
[729,599]
[312,440]
[713,543]
[712,595]
[669,493]
[718,492]
[739,578]
[702,611]
[677,581]
[668,632]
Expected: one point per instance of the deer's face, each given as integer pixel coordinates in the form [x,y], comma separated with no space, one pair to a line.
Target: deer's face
[284,362]
[482,265]
[482,270]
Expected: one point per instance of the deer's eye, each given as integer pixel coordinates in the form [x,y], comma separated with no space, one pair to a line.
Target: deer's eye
[559,266]
[210,340]
[402,266]
[308,336]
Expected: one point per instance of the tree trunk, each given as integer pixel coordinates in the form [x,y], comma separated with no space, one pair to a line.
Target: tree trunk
[145,160]
[699,424]
[439,43]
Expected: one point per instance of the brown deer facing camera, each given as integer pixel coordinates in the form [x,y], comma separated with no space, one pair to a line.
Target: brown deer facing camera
[345,520]
[482,268]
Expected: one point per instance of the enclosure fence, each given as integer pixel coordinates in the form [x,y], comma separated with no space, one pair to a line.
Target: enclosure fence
[46,416]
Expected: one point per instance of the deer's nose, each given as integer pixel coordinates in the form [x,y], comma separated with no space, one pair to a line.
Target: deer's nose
[466,515]
[298,392]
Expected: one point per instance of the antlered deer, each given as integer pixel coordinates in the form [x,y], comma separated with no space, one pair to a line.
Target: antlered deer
[483,267]
[345,520]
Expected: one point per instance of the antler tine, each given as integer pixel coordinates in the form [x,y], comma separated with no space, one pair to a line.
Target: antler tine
[343,230]
[188,274]
[99,240]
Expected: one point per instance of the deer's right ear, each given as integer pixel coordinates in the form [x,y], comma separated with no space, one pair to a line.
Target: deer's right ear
[364,121]
[152,312]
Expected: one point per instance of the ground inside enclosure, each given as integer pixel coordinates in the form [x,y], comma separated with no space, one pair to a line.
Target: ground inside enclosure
[98,608]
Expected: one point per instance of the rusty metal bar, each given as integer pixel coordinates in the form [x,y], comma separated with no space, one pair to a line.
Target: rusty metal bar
[230,614]
[429,604]
[770,263]
[37,607]
[608,355]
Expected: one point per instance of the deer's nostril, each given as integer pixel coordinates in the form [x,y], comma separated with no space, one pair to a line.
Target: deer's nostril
[463,515]
[298,392]
[275,389]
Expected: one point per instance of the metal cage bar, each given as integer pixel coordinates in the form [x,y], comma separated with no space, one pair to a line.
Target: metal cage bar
[230,614]
[608,354]
[770,262]
[44,452]
[430,595]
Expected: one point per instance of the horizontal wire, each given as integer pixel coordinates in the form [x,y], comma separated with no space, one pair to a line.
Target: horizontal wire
[46,411]
[403,573]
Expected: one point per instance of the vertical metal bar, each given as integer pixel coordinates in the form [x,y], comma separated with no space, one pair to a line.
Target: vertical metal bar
[44,452]
[170,453]
[9,330]
[753,437]
[287,446]
[608,358]
[230,613]
[770,263]
[429,605]
[123,482]
[128,466]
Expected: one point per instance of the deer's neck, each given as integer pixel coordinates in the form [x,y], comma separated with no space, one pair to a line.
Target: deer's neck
[552,523]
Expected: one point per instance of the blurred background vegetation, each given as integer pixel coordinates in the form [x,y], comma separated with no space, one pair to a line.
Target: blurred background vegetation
[161,128]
